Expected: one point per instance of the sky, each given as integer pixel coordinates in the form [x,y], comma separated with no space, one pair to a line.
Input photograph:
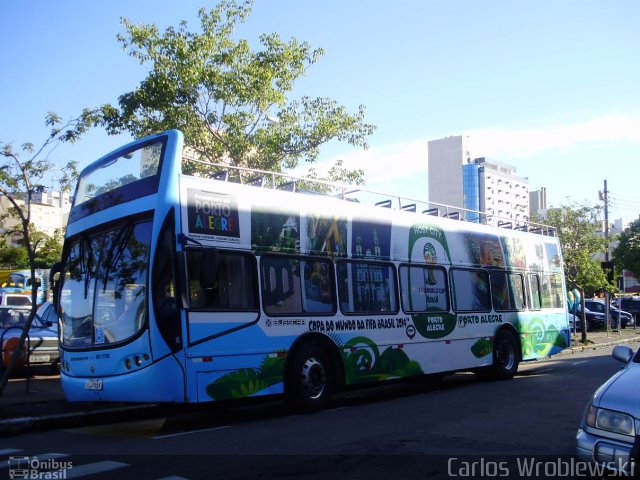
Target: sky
[548,86]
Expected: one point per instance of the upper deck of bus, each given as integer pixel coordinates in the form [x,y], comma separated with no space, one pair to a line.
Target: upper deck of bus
[249,189]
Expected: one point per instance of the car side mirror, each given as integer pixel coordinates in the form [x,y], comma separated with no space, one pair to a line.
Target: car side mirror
[622,353]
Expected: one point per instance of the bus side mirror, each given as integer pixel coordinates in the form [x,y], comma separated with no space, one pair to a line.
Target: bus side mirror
[209,274]
[54,281]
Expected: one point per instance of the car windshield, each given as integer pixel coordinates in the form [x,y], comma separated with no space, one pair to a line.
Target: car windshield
[595,306]
[17,317]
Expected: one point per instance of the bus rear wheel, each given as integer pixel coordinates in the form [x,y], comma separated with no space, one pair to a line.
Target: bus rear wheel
[309,379]
[506,358]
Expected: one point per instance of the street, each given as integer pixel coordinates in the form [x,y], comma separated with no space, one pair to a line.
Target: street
[413,429]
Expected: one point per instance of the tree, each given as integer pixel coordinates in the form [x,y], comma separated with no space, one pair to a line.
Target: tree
[579,240]
[22,175]
[229,101]
[627,254]
[13,257]
[50,250]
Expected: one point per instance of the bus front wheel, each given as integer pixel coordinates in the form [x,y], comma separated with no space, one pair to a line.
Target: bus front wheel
[309,379]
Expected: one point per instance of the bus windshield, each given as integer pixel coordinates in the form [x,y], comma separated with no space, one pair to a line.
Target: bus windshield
[119,171]
[104,290]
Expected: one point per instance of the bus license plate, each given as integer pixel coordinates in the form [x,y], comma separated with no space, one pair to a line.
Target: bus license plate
[93,384]
[39,358]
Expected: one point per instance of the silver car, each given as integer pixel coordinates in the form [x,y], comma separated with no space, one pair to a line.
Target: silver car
[609,433]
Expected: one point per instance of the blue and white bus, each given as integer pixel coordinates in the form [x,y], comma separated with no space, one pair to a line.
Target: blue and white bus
[194,287]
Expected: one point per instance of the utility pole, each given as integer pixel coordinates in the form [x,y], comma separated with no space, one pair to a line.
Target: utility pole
[606,221]
[607,312]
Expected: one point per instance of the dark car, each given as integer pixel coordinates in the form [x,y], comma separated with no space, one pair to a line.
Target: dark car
[595,320]
[620,317]
[631,305]
[42,340]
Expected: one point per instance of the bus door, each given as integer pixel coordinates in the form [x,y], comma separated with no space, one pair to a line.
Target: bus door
[222,295]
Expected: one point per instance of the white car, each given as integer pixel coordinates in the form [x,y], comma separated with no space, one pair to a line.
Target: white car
[609,433]
[15,299]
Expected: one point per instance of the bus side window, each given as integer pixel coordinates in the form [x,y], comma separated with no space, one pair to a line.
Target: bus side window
[281,285]
[319,290]
[500,292]
[534,291]
[516,290]
[233,286]
[470,290]
[424,289]
[292,286]
[367,287]
[552,291]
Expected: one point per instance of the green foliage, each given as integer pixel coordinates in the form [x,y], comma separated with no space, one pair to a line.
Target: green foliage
[50,250]
[14,257]
[577,229]
[627,254]
[229,100]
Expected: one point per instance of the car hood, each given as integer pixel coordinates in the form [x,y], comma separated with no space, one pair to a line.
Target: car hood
[621,392]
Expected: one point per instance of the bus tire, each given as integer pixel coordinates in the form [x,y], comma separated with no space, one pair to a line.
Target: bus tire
[309,379]
[506,358]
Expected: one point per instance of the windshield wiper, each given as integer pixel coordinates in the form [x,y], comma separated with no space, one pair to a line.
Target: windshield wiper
[86,254]
[115,252]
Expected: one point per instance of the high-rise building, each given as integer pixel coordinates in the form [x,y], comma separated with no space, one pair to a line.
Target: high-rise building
[445,161]
[458,179]
[538,202]
[49,212]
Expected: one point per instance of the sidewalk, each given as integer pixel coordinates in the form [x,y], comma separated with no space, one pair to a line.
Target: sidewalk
[40,403]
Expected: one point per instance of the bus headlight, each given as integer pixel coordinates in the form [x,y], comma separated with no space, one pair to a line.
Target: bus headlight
[609,420]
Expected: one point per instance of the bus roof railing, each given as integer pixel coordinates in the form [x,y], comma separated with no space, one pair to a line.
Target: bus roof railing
[300,184]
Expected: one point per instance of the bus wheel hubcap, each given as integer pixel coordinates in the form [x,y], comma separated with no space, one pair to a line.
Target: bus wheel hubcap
[506,355]
[314,378]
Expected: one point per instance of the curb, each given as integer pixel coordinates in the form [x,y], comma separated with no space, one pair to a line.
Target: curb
[15,426]
[596,346]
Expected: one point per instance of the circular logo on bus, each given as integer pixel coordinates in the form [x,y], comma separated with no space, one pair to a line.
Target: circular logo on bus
[429,252]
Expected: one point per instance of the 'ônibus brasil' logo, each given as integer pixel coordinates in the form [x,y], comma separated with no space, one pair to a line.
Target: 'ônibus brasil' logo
[212,213]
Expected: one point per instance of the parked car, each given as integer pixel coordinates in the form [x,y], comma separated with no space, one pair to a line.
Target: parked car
[607,431]
[631,305]
[595,320]
[621,317]
[15,299]
[42,341]
[574,321]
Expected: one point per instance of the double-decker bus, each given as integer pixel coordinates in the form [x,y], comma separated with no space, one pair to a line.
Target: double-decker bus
[182,284]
